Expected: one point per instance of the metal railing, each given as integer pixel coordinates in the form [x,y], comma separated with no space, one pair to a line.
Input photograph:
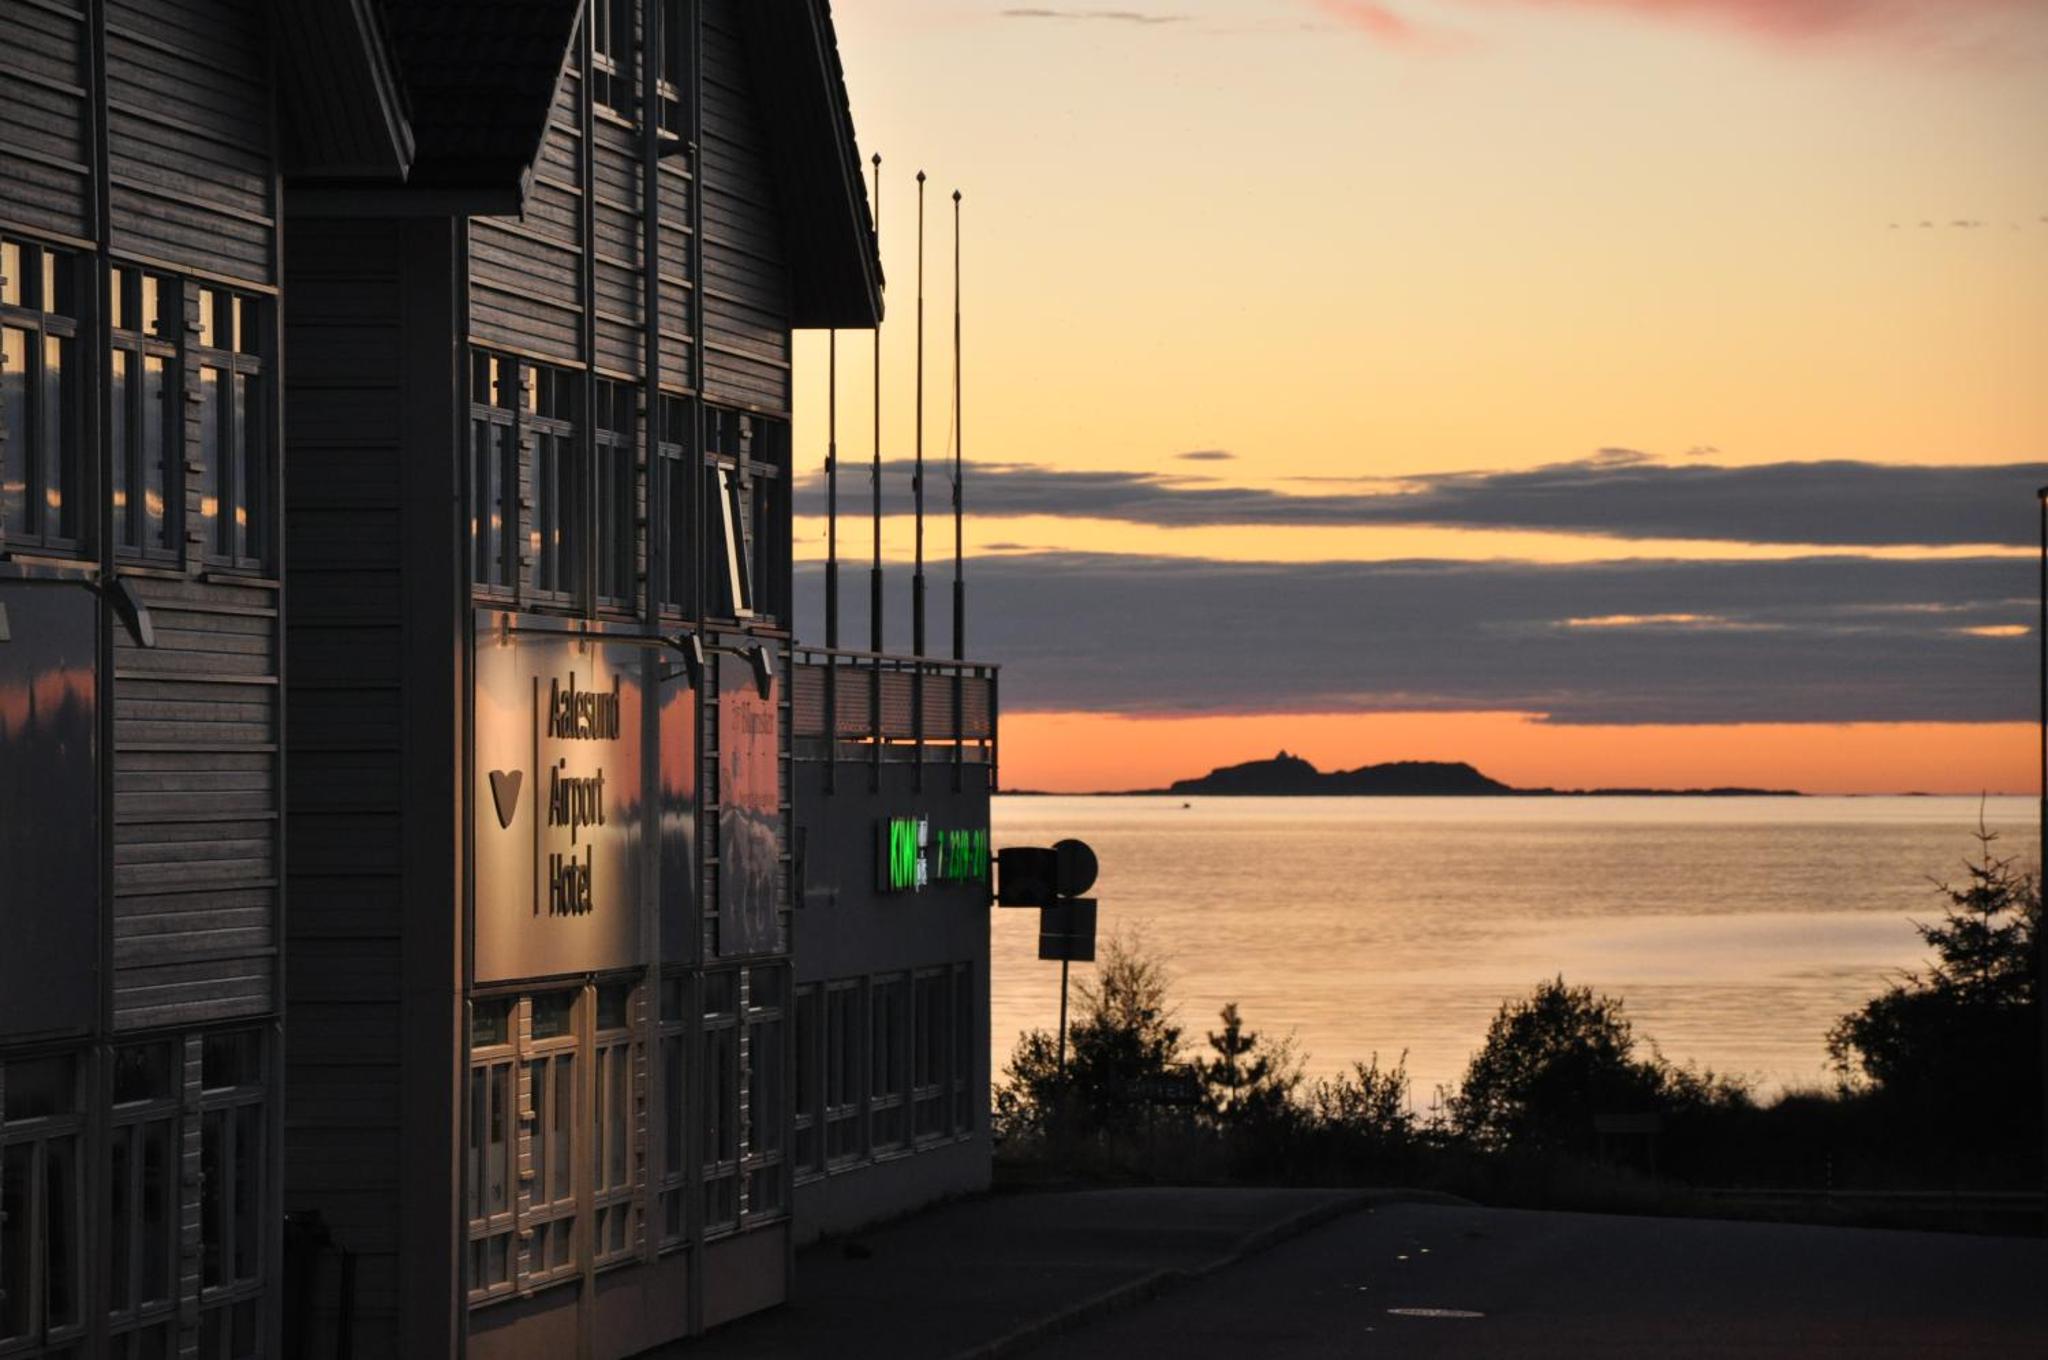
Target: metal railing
[864,705]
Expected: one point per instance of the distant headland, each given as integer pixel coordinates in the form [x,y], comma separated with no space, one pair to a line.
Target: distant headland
[1290,776]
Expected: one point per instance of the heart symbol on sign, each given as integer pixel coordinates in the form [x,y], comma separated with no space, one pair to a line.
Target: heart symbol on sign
[505,792]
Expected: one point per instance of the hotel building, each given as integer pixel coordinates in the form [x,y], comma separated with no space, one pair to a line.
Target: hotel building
[419,817]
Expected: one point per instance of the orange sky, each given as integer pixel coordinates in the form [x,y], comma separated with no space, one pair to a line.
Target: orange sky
[1481,234]
[1086,752]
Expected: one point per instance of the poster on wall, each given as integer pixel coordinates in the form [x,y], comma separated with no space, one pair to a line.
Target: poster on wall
[49,807]
[676,788]
[561,816]
[749,810]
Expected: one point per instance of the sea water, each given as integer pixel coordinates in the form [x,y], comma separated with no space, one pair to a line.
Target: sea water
[1734,930]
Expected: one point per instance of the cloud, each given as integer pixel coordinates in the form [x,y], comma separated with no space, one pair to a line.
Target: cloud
[1808,20]
[1206,456]
[1829,639]
[1375,20]
[1618,493]
[1122,16]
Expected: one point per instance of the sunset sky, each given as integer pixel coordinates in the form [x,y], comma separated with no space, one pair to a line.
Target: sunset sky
[1600,391]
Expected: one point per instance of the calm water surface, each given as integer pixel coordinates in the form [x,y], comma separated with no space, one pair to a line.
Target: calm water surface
[1735,929]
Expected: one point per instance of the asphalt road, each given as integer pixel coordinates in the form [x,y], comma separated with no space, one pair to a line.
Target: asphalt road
[1512,1283]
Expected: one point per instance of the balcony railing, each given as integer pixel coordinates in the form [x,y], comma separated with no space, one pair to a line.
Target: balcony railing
[851,706]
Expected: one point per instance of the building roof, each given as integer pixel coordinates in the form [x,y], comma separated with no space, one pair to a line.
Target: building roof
[480,77]
[837,275]
[450,99]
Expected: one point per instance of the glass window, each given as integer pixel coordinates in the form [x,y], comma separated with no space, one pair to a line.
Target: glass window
[42,1198]
[234,1208]
[494,471]
[845,1067]
[807,1083]
[672,1103]
[964,1033]
[611,56]
[557,533]
[41,394]
[676,39]
[618,495]
[673,493]
[615,1223]
[489,1155]
[931,1063]
[720,1102]
[234,468]
[767,1075]
[142,1205]
[890,1031]
[747,483]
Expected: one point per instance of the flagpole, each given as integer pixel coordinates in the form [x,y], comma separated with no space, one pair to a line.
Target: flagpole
[917,478]
[832,495]
[875,476]
[959,439]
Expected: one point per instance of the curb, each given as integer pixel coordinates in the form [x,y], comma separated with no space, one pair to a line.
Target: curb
[1150,1286]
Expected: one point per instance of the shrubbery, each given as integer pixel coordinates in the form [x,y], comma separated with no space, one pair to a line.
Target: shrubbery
[1941,1087]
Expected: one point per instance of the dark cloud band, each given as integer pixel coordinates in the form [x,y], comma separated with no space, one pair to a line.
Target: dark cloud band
[1615,495]
[1835,639]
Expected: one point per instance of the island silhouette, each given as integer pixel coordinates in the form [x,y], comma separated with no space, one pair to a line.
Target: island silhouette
[1292,776]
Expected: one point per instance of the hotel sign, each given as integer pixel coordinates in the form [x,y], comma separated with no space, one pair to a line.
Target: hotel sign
[561,818]
[912,856]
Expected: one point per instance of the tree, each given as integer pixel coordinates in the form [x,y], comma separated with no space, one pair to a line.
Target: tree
[1961,1041]
[1249,1077]
[1123,1032]
[1368,1102]
[1549,1065]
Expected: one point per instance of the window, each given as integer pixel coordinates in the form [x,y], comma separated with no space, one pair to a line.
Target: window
[147,488]
[489,1156]
[676,39]
[964,1034]
[931,1063]
[807,1084]
[618,509]
[747,481]
[142,1204]
[886,1057]
[845,1065]
[41,463]
[557,534]
[494,472]
[233,464]
[614,1225]
[548,1220]
[672,491]
[767,1070]
[42,1191]
[233,1174]
[720,1101]
[673,1173]
[611,56]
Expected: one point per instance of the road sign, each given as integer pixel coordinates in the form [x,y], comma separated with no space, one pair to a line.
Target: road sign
[1066,931]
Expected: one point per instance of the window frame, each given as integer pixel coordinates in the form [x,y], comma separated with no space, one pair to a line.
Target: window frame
[139,294]
[248,1094]
[615,1062]
[844,1073]
[38,1134]
[29,271]
[496,463]
[721,1064]
[130,1124]
[241,534]
[764,1142]
[496,1061]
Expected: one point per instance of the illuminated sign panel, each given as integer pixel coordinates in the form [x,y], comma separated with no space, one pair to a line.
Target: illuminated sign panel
[560,802]
[749,810]
[913,856]
[49,808]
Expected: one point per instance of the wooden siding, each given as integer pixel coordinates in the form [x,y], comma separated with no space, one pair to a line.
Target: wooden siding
[45,130]
[746,271]
[196,806]
[344,428]
[191,154]
[526,294]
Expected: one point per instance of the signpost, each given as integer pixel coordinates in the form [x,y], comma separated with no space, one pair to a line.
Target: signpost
[1053,879]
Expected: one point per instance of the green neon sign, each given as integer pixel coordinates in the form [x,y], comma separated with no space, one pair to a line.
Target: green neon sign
[914,856]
